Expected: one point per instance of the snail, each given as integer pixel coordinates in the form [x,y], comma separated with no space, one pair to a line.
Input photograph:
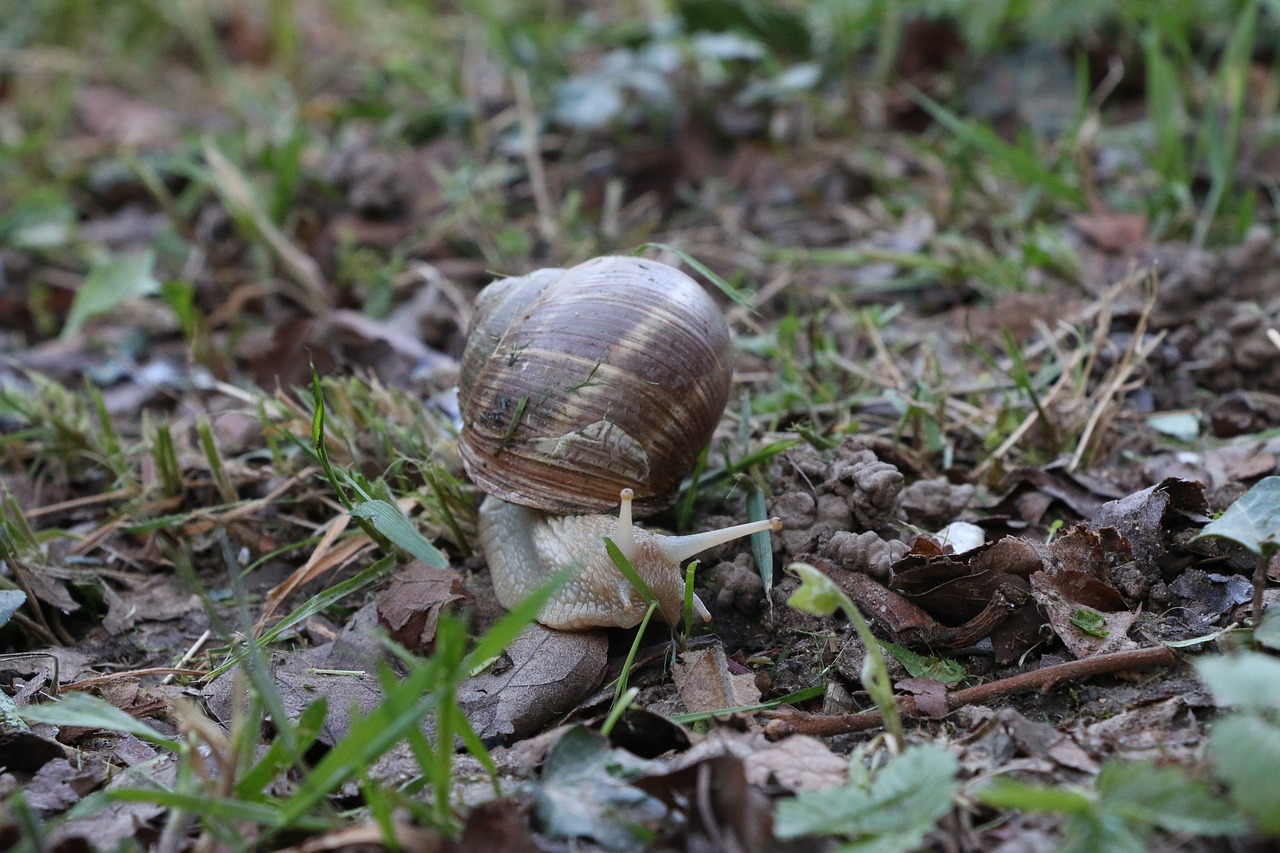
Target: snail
[582,390]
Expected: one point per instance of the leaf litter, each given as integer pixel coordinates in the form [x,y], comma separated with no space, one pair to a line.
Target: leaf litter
[1049,631]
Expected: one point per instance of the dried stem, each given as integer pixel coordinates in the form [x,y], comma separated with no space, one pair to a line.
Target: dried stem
[794,722]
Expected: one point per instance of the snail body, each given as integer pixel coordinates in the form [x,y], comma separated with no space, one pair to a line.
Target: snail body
[525,547]
[582,390]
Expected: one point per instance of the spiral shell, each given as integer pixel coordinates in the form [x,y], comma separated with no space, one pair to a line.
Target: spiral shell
[577,383]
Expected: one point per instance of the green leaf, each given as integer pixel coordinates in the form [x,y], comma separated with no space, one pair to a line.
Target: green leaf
[946,670]
[1028,166]
[762,542]
[725,287]
[1253,520]
[1246,753]
[81,709]
[1249,679]
[181,297]
[216,808]
[628,571]
[1145,794]
[41,220]
[391,523]
[10,601]
[903,801]
[1267,634]
[1184,426]
[10,714]
[401,711]
[280,755]
[1098,831]
[1129,799]
[1008,793]
[1090,621]
[584,793]
[817,595]
[109,284]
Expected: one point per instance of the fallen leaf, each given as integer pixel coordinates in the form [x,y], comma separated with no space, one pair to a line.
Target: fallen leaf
[585,792]
[930,695]
[1082,628]
[1111,231]
[410,605]
[720,810]
[497,826]
[1148,521]
[300,680]
[541,674]
[705,684]
[59,785]
[797,763]
[27,751]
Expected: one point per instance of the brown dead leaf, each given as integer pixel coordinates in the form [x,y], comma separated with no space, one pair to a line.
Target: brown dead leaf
[1062,596]
[27,752]
[1091,552]
[1240,412]
[541,674]
[59,785]
[47,583]
[114,823]
[497,826]
[1148,520]
[1041,740]
[301,678]
[721,810]
[410,606]
[1227,465]
[1111,231]
[705,683]
[1031,491]
[979,593]
[150,599]
[647,734]
[1151,729]
[123,119]
[930,695]
[796,763]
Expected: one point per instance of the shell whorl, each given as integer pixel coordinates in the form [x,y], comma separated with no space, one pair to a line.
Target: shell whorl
[577,383]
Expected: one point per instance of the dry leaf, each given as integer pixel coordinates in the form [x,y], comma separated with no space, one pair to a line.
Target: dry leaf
[409,608]
[705,683]
[541,674]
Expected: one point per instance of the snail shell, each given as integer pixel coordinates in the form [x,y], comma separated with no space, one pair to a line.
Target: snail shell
[578,383]
[581,389]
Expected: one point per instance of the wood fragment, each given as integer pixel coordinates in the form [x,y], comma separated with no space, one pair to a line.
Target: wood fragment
[1045,679]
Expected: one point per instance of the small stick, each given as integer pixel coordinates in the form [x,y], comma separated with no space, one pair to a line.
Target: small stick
[1045,679]
[190,653]
[547,222]
[85,683]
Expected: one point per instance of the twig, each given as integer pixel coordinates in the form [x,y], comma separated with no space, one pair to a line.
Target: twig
[547,222]
[133,673]
[79,503]
[312,291]
[190,653]
[794,722]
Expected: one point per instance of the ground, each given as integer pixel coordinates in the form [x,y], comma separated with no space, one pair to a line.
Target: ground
[1003,290]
